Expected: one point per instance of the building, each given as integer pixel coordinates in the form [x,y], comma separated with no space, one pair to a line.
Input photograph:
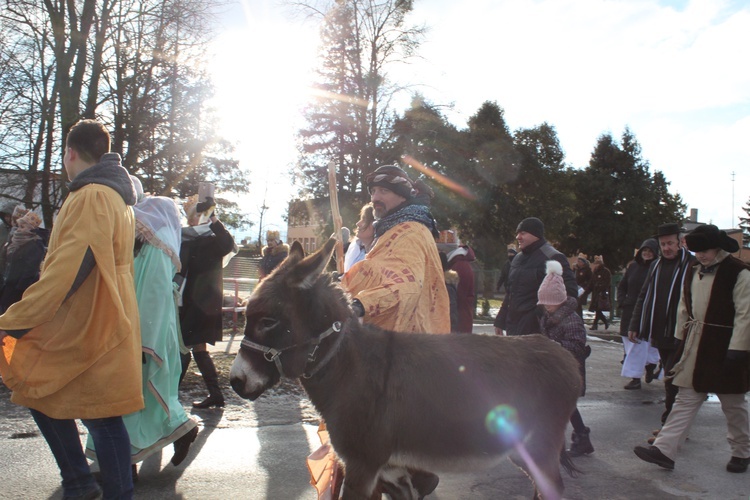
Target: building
[307,222]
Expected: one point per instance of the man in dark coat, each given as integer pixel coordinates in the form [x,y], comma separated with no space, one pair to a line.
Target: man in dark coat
[655,311]
[713,325]
[505,271]
[519,314]
[203,249]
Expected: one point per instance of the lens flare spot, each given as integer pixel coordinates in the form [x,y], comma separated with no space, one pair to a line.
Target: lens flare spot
[461,369]
[502,421]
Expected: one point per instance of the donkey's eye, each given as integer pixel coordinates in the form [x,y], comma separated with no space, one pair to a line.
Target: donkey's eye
[264,325]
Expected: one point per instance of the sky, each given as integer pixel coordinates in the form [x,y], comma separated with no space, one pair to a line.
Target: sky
[675,72]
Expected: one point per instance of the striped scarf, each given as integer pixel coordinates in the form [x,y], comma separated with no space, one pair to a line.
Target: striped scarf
[684,259]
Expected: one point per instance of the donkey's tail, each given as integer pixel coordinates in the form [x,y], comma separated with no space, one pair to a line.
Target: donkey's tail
[568,464]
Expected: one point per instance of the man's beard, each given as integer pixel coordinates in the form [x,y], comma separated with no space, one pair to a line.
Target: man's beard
[379,211]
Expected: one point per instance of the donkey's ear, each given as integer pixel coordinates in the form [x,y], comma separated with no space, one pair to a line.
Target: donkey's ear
[296,252]
[306,272]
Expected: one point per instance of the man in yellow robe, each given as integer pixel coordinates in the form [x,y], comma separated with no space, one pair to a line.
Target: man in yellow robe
[400,284]
[71,345]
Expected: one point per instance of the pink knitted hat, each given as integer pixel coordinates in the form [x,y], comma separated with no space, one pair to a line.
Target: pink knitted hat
[552,290]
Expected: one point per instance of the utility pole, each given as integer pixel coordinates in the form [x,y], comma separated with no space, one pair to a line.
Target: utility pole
[733,222]
[263,209]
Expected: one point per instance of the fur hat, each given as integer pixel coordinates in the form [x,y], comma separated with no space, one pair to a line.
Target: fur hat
[668,229]
[272,235]
[707,236]
[552,290]
[393,178]
[532,225]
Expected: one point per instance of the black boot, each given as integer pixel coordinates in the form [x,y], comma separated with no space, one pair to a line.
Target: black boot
[185,361]
[580,443]
[182,446]
[208,371]
[650,372]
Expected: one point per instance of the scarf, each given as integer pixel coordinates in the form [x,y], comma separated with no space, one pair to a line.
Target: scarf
[409,213]
[684,260]
[108,172]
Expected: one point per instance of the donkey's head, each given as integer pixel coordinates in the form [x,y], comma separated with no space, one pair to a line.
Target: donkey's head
[291,313]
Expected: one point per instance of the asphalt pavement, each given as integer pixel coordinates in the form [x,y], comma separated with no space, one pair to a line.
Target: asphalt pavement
[257,451]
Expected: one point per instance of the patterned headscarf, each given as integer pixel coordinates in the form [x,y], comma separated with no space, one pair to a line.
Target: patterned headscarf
[25,231]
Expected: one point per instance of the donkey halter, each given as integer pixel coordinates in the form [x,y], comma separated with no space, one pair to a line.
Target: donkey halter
[272,354]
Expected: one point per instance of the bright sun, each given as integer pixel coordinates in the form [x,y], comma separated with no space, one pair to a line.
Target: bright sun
[261,73]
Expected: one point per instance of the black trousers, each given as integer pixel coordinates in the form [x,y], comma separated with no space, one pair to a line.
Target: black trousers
[668,360]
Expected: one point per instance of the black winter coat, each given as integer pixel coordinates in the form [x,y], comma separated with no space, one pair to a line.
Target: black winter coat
[518,314]
[22,269]
[201,259]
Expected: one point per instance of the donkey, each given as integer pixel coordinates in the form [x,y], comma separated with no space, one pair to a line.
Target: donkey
[398,401]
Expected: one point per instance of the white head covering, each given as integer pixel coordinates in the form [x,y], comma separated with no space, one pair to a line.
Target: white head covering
[138,188]
[157,222]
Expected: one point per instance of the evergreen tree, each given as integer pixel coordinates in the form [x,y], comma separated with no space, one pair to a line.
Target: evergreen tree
[351,121]
[745,224]
[619,203]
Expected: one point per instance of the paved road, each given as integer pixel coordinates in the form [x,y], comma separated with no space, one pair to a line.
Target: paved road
[257,451]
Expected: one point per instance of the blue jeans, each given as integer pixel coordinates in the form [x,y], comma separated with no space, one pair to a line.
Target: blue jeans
[112,451]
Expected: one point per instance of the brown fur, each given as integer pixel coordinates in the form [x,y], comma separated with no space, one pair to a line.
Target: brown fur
[405,400]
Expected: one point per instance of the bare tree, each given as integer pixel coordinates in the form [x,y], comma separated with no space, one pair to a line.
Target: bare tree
[137,65]
[351,121]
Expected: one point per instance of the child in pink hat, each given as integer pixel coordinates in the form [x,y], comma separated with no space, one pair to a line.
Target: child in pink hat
[562,324]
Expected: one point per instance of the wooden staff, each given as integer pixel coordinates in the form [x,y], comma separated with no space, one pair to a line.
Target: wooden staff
[336,215]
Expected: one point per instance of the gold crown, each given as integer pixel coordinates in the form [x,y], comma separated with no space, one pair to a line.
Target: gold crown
[189,205]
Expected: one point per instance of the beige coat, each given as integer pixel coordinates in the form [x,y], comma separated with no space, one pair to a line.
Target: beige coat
[401,283]
[701,292]
[82,355]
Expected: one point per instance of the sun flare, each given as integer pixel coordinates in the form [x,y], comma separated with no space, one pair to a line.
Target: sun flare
[262,71]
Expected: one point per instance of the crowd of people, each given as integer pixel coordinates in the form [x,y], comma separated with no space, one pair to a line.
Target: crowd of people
[128,297]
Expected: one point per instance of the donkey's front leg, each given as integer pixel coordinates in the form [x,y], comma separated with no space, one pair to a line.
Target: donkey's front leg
[360,481]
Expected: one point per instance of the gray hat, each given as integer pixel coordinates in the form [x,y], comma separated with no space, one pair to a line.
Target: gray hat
[7,208]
